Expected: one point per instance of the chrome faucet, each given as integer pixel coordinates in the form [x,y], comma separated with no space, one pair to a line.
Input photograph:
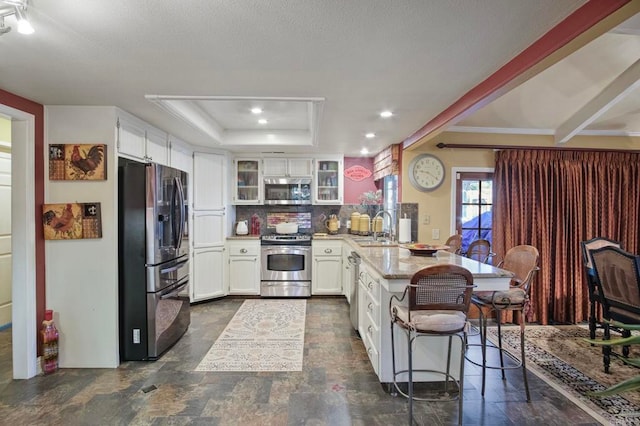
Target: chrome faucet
[391,233]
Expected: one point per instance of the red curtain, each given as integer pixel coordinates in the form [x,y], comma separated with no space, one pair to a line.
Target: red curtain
[553,200]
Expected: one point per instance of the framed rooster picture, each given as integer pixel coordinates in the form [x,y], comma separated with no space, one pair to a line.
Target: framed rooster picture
[77,162]
[70,221]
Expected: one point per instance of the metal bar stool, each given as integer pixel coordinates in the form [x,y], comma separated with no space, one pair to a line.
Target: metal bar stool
[523,262]
[437,303]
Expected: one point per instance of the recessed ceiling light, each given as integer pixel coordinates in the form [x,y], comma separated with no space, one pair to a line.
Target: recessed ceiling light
[364,151]
[370,135]
[256,110]
[386,114]
[262,121]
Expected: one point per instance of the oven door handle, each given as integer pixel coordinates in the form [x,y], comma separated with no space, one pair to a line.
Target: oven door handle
[174,292]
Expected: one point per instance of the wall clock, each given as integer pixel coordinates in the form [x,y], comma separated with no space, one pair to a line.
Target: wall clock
[426,172]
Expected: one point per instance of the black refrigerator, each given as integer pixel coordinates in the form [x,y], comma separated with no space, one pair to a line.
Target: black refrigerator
[153,259]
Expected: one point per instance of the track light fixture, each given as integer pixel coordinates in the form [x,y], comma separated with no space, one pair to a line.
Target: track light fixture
[15,8]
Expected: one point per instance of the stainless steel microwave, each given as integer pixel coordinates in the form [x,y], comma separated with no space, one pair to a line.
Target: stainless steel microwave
[287,190]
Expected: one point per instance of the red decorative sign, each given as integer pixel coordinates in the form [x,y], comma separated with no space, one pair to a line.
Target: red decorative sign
[357,173]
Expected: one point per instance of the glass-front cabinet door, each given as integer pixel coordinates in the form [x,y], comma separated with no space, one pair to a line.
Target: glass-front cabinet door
[329,181]
[248,182]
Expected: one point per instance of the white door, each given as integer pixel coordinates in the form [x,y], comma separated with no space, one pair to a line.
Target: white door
[5,239]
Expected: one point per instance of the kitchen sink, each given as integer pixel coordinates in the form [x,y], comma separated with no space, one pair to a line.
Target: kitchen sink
[370,242]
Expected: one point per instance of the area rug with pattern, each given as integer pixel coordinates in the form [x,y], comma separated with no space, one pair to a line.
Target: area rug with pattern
[263,335]
[560,357]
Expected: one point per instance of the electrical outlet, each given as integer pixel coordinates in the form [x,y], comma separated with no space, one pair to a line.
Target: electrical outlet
[435,234]
[136,335]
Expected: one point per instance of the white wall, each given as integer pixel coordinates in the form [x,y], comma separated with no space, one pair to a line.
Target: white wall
[82,275]
[5,239]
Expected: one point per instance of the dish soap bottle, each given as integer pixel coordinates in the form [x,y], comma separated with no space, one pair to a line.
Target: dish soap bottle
[50,336]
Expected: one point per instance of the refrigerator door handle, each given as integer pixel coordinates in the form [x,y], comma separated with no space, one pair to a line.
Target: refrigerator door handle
[174,267]
[175,220]
[183,212]
[174,292]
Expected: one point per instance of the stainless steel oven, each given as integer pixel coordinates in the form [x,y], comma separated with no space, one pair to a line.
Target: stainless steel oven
[286,266]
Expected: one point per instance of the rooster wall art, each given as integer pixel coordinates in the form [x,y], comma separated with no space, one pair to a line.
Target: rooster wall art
[77,162]
[70,221]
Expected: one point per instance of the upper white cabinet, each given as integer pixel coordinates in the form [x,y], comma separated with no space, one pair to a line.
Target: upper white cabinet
[209,180]
[141,141]
[290,167]
[180,155]
[329,181]
[157,146]
[248,181]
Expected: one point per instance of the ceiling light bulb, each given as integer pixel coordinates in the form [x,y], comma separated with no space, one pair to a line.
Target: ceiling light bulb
[256,110]
[24,27]
[262,121]
[386,114]
[364,151]
[370,135]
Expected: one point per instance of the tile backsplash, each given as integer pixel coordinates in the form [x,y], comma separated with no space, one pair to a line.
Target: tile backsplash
[313,218]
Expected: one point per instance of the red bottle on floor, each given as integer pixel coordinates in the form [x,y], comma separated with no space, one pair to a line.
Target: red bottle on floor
[49,335]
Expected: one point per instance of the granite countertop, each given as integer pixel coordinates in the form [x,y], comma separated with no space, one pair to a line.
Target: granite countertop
[244,237]
[324,236]
[397,263]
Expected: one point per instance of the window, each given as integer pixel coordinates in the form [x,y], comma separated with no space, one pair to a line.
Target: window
[474,204]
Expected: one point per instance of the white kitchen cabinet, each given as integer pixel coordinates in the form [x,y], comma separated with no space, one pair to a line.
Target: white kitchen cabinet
[157,146]
[141,141]
[180,155]
[209,226]
[248,181]
[244,267]
[329,181]
[326,272]
[208,280]
[209,181]
[289,167]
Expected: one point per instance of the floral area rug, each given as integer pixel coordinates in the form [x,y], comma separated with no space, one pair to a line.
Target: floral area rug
[560,357]
[263,335]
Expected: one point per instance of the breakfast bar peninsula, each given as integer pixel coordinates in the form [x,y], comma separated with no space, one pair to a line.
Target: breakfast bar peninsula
[386,271]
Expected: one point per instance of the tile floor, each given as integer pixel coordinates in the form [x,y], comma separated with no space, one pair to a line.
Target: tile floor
[336,387]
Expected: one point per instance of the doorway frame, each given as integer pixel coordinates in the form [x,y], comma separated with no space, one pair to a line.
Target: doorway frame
[23,252]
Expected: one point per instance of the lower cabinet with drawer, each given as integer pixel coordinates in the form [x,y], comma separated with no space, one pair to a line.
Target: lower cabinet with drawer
[244,267]
[326,270]
[369,315]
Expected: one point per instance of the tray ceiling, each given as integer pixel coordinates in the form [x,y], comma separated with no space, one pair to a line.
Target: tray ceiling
[326,68]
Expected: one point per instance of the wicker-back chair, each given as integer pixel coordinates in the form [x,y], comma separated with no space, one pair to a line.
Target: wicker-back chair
[454,243]
[435,303]
[618,280]
[523,262]
[480,250]
[594,296]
